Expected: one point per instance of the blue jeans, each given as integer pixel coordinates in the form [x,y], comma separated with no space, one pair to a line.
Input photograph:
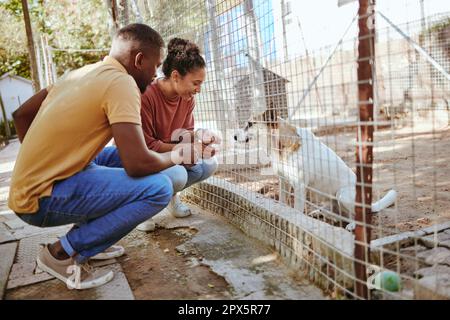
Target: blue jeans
[104,203]
[183,178]
[180,176]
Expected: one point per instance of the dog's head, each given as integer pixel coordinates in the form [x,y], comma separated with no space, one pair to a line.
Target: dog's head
[285,135]
[267,119]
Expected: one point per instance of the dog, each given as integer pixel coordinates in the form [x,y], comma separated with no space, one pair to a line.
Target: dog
[306,163]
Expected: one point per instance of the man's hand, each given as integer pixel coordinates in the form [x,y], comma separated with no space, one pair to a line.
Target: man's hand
[137,159]
[182,136]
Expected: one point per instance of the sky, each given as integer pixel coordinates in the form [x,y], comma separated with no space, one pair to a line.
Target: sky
[324,23]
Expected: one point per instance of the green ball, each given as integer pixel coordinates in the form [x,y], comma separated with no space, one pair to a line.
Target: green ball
[388,280]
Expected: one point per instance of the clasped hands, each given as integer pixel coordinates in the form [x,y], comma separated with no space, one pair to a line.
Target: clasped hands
[195,145]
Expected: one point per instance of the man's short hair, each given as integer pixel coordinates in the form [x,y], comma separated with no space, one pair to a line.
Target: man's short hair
[147,37]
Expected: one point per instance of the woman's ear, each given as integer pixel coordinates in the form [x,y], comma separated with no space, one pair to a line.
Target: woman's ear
[175,75]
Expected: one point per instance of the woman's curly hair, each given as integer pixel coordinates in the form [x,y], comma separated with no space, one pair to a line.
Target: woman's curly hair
[183,56]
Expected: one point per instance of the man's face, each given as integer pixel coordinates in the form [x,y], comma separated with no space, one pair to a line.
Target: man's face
[146,68]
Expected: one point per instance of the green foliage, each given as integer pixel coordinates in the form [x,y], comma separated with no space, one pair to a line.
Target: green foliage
[68,24]
[13,50]
[74,60]
[83,24]
[189,14]
[12,128]
[17,64]
[14,7]
[435,29]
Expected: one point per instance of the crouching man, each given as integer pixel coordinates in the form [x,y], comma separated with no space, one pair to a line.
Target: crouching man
[61,176]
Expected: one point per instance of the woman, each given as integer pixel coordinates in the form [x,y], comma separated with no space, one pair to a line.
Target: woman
[167,107]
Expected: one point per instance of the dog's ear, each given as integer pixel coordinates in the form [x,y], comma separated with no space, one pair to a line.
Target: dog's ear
[288,136]
[287,129]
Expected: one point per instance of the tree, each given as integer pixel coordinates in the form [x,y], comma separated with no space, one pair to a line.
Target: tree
[13,42]
[31,49]
[67,24]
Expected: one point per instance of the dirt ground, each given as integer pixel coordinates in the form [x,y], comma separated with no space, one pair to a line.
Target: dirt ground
[156,270]
[414,163]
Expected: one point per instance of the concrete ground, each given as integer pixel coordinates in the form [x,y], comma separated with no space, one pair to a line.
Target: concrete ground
[199,257]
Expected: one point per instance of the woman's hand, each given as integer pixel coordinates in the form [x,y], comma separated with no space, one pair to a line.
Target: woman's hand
[208,151]
[186,154]
[208,137]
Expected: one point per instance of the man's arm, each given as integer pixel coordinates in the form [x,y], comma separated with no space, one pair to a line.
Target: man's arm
[25,114]
[185,136]
[137,159]
[166,147]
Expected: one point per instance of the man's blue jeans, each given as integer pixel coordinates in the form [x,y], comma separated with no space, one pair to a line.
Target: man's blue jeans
[180,176]
[104,203]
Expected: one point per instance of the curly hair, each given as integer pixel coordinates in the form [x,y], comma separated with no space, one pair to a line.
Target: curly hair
[183,56]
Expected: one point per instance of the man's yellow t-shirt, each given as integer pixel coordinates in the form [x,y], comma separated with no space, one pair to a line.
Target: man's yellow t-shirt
[72,126]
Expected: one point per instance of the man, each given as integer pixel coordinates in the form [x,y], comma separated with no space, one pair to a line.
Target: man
[62,177]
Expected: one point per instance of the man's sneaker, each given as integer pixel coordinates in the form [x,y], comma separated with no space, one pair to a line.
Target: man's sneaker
[177,208]
[147,226]
[110,253]
[74,275]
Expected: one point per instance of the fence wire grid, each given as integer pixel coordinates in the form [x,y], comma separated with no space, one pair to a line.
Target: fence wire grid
[291,125]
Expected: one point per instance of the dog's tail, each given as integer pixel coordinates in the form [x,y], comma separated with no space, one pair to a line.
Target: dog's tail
[385,202]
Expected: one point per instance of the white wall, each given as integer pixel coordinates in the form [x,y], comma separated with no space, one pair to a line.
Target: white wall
[14,92]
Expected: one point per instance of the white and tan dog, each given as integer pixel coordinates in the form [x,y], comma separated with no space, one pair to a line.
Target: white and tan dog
[305,162]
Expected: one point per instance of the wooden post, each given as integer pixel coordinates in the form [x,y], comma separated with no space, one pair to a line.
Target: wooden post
[111,6]
[364,149]
[31,50]
[125,14]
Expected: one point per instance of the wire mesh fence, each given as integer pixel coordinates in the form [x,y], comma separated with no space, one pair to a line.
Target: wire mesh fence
[296,125]
[291,124]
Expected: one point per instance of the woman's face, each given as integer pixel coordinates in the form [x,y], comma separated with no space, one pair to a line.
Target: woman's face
[189,85]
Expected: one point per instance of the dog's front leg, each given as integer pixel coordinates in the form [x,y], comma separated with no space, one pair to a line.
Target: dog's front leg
[285,191]
[299,197]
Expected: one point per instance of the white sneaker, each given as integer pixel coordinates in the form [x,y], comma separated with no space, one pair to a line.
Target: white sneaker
[147,226]
[177,208]
[111,252]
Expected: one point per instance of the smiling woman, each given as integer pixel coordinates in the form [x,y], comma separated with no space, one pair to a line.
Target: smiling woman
[168,103]
[167,106]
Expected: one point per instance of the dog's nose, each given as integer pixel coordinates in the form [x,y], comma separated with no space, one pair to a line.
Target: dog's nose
[235,137]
